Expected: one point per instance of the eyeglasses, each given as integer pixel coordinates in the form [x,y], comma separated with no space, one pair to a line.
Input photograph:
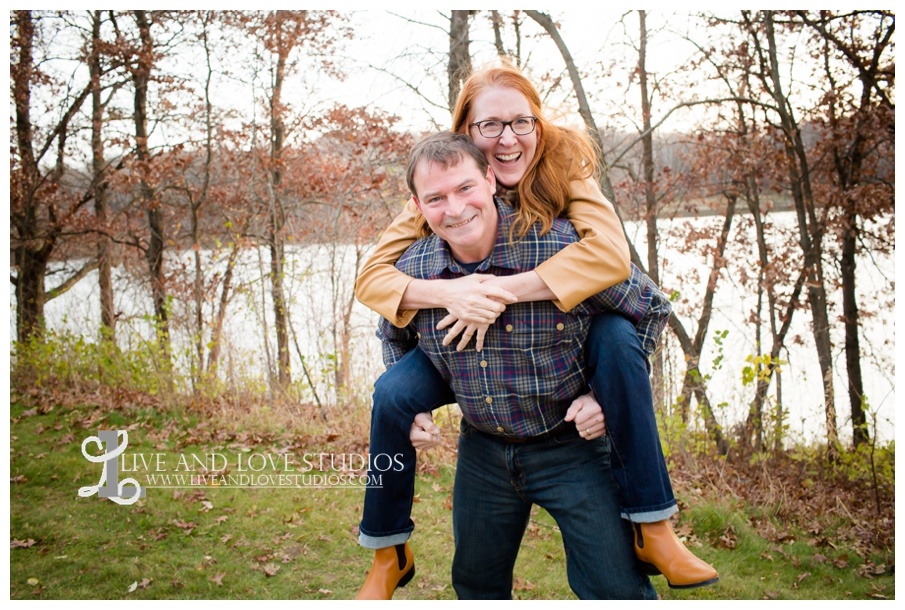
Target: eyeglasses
[521,126]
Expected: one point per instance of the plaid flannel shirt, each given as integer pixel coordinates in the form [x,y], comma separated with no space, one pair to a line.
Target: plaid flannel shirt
[533,362]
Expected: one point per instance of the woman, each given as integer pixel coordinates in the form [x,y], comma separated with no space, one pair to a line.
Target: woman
[546,171]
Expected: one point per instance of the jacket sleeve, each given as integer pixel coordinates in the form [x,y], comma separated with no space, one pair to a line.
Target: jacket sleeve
[600,260]
[380,285]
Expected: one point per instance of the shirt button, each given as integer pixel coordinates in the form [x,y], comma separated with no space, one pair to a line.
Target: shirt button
[560,326]
[483,364]
[499,429]
[509,328]
[488,400]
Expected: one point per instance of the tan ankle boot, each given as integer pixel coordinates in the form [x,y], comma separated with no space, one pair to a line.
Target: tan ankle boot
[393,567]
[661,552]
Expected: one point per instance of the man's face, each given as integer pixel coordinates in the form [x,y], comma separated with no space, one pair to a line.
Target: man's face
[457,203]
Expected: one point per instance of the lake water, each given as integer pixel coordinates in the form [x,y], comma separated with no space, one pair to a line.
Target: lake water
[316,293]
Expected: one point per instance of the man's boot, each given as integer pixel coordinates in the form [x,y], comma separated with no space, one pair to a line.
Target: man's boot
[661,552]
[393,567]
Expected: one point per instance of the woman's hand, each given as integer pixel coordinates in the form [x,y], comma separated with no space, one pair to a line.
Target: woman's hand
[474,303]
[474,299]
[471,330]
[588,417]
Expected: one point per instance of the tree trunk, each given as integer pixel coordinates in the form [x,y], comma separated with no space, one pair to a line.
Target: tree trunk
[276,220]
[650,198]
[459,65]
[31,252]
[99,168]
[141,76]
[810,234]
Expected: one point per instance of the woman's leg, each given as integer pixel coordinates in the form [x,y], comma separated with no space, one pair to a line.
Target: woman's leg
[621,385]
[410,387]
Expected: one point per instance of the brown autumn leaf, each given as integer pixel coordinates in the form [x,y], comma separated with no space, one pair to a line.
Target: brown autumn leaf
[226,538]
[728,539]
[767,555]
[18,479]
[21,544]
[522,585]
[271,569]
[217,579]
[448,504]
[841,562]
[144,583]
[416,498]
[436,487]
[800,578]
[325,591]
[221,519]
[770,594]
[818,558]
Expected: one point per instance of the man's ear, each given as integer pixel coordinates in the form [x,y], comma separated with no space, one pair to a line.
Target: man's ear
[491,178]
[417,203]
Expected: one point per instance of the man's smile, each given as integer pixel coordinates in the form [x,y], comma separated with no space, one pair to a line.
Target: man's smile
[461,224]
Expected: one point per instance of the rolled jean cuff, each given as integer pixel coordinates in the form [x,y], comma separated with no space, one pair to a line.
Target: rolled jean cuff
[382,542]
[652,516]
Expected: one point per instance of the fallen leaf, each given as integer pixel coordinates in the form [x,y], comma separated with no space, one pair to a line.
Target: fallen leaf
[133,586]
[221,519]
[416,498]
[771,594]
[522,585]
[144,583]
[18,479]
[448,504]
[218,578]
[33,582]
[21,544]
[436,487]
[818,558]
[324,591]
[271,569]
[226,538]
[728,539]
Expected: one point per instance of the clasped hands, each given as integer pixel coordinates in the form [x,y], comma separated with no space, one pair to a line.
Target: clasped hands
[584,411]
[474,303]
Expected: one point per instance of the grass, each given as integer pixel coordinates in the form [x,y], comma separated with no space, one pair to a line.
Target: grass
[226,543]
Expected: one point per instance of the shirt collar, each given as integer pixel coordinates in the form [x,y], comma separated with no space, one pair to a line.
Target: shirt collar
[503,255]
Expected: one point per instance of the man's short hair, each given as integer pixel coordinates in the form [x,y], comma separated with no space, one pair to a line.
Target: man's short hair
[447,149]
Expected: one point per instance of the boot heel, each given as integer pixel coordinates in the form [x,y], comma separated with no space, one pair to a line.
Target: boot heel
[648,569]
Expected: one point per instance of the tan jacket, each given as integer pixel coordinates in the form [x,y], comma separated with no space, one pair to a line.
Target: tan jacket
[600,260]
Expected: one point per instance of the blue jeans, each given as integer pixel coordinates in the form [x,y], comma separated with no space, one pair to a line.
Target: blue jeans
[409,387]
[618,376]
[497,482]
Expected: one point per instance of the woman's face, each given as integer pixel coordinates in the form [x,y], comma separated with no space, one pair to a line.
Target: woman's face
[509,155]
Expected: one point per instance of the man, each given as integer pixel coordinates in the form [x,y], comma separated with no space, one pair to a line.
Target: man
[516,448]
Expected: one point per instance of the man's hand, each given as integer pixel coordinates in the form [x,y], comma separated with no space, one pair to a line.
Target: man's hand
[588,417]
[424,433]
